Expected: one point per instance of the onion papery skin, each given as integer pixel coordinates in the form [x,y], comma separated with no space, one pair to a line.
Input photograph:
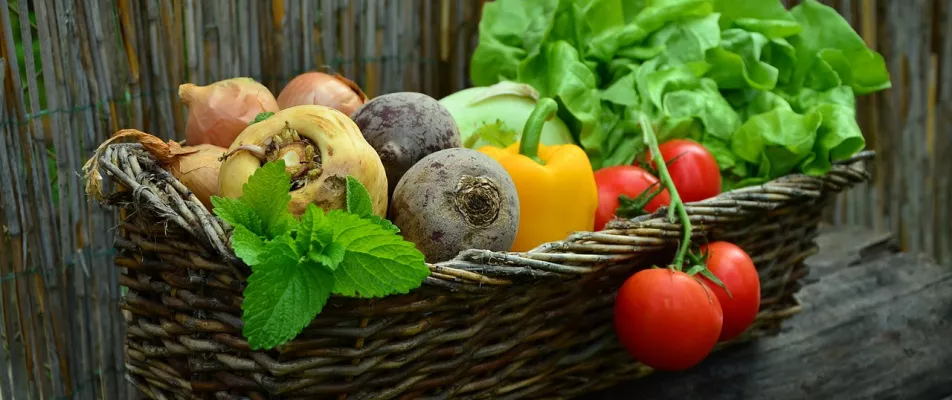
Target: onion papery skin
[199,170]
[318,88]
[219,112]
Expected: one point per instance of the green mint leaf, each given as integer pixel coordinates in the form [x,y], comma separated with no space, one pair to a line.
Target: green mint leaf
[330,256]
[261,117]
[237,213]
[377,262]
[248,245]
[385,223]
[267,193]
[359,203]
[283,296]
[358,198]
[315,239]
[313,233]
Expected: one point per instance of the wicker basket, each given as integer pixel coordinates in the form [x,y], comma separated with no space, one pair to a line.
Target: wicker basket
[484,325]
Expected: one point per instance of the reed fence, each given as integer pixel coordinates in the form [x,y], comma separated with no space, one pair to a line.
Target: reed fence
[74,71]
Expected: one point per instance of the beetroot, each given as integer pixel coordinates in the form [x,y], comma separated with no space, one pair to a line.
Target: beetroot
[405,127]
[453,200]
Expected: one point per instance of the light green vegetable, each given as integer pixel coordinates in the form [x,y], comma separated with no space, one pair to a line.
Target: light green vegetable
[768,91]
[495,115]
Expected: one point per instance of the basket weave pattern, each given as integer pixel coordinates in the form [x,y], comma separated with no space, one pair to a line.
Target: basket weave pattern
[483,325]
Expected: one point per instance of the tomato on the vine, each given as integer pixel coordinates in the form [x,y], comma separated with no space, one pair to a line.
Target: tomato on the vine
[692,168]
[630,181]
[735,269]
[667,319]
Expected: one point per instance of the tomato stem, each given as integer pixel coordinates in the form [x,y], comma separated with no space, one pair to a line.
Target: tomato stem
[632,207]
[544,110]
[677,206]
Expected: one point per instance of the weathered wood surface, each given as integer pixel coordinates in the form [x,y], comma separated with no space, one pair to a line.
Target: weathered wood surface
[876,324]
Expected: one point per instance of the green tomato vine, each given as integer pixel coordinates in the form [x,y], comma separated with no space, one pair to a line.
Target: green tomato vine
[677,206]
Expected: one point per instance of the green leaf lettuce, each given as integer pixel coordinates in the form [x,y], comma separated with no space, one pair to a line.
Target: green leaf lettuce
[769,91]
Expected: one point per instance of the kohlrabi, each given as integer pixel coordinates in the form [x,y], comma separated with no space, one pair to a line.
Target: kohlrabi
[495,115]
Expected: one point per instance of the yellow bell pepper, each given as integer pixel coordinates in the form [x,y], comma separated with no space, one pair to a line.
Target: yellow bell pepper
[555,184]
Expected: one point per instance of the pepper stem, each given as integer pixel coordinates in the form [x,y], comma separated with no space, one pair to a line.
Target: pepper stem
[544,110]
[677,206]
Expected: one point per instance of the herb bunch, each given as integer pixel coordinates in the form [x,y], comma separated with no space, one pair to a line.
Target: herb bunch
[297,264]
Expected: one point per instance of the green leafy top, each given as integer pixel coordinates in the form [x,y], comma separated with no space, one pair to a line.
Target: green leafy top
[495,134]
[297,264]
[768,91]
[261,117]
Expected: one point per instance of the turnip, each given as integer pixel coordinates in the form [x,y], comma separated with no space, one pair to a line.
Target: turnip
[453,200]
[320,147]
[495,115]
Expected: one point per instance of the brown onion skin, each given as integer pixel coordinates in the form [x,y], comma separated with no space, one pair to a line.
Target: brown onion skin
[318,88]
[197,168]
[218,112]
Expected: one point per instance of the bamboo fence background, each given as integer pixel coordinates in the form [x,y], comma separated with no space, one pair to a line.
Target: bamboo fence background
[74,71]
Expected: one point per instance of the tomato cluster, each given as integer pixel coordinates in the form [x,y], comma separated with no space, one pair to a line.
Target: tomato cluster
[670,320]
[627,190]
[664,317]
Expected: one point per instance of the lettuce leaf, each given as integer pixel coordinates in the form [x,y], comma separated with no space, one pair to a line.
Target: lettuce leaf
[768,91]
[830,53]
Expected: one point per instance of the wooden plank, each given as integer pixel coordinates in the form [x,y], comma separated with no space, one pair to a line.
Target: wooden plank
[14,361]
[23,162]
[876,329]
[104,274]
[46,288]
[44,230]
[370,49]
[65,216]
[843,247]
[944,134]
[309,45]
[74,41]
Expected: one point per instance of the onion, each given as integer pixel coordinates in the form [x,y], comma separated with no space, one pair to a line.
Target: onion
[320,147]
[318,88]
[198,171]
[218,112]
[196,167]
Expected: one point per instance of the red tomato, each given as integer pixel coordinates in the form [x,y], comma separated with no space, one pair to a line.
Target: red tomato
[736,270]
[626,180]
[694,170]
[667,319]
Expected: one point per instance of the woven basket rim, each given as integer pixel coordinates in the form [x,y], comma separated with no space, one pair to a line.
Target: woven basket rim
[578,254]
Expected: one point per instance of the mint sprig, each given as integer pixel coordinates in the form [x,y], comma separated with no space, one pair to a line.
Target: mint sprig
[296,264]
[377,262]
[358,202]
[284,293]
